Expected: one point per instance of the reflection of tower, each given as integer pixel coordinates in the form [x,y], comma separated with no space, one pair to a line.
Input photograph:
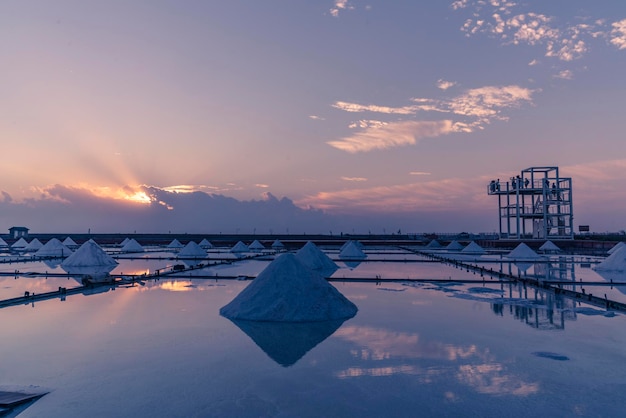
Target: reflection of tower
[537,203]
[537,308]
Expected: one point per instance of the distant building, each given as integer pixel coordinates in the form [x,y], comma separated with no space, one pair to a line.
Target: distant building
[17,232]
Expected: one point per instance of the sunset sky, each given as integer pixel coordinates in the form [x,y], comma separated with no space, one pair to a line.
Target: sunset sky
[387,114]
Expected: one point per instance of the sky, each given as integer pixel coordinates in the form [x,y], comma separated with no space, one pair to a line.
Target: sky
[305,116]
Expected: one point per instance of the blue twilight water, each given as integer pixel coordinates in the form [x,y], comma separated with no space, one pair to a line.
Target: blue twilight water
[414,349]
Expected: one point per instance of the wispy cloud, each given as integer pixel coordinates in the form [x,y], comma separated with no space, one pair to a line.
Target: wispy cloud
[355,108]
[354,179]
[340,5]
[564,75]
[419,173]
[392,134]
[474,108]
[315,117]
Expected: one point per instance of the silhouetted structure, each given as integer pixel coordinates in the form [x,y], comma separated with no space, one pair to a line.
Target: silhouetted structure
[537,203]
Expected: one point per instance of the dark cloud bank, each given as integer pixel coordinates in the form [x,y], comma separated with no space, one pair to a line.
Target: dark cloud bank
[64,209]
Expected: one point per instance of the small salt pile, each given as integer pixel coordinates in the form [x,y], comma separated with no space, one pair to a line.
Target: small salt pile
[315,259]
[175,245]
[454,246]
[88,255]
[256,246]
[614,262]
[240,247]
[192,250]
[549,247]
[523,252]
[473,248]
[132,246]
[287,290]
[206,244]
[53,248]
[352,251]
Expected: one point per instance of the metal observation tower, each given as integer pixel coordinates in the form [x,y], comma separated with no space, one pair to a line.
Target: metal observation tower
[535,204]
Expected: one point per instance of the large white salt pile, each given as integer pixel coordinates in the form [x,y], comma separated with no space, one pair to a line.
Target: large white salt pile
[454,246]
[132,246]
[240,247]
[616,247]
[549,247]
[53,248]
[88,255]
[434,244]
[192,250]
[33,246]
[473,248]
[20,244]
[175,244]
[287,290]
[614,262]
[352,251]
[69,243]
[206,244]
[523,252]
[256,246]
[315,259]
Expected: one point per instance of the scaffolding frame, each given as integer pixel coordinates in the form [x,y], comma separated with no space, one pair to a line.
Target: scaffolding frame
[536,204]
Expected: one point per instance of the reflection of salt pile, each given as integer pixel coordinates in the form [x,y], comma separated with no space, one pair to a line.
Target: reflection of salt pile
[89,259]
[53,248]
[240,247]
[473,248]
[192,250]
[256,246]
[616,247]
[33,246]
[316,260]
[523,252]
[287,290]
[614,262]
[132,246]
[454,246]
[288,342]
[206,244]
[549,247]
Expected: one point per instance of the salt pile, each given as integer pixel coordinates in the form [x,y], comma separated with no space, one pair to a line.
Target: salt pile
[70,243]
[549,247]
[434,244]
[614,262]
[454,246]
[192,250]
[206,244]
[19,244]
[351,242]
[256,246]
[473,248]
[124,242]
[33,246]
[352,251]
[175,244]
[616,247]
[240,247]
[88,255]
[53,248]
[315,259]
[132,246]
[287,290]
[523,252]
[277,245]
[3,243]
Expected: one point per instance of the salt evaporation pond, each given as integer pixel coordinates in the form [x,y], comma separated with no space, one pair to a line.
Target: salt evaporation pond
[161,348]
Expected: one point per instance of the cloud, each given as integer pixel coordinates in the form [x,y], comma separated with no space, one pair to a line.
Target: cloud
[419,173]
[618,34]
[445,85]
[564,41]
[475,108]
[353,179]
[354,107]
[315,117]
[392,134]
[261,185]
[340,5]
[564,75]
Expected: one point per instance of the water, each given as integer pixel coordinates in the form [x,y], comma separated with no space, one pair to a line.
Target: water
[413,349]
